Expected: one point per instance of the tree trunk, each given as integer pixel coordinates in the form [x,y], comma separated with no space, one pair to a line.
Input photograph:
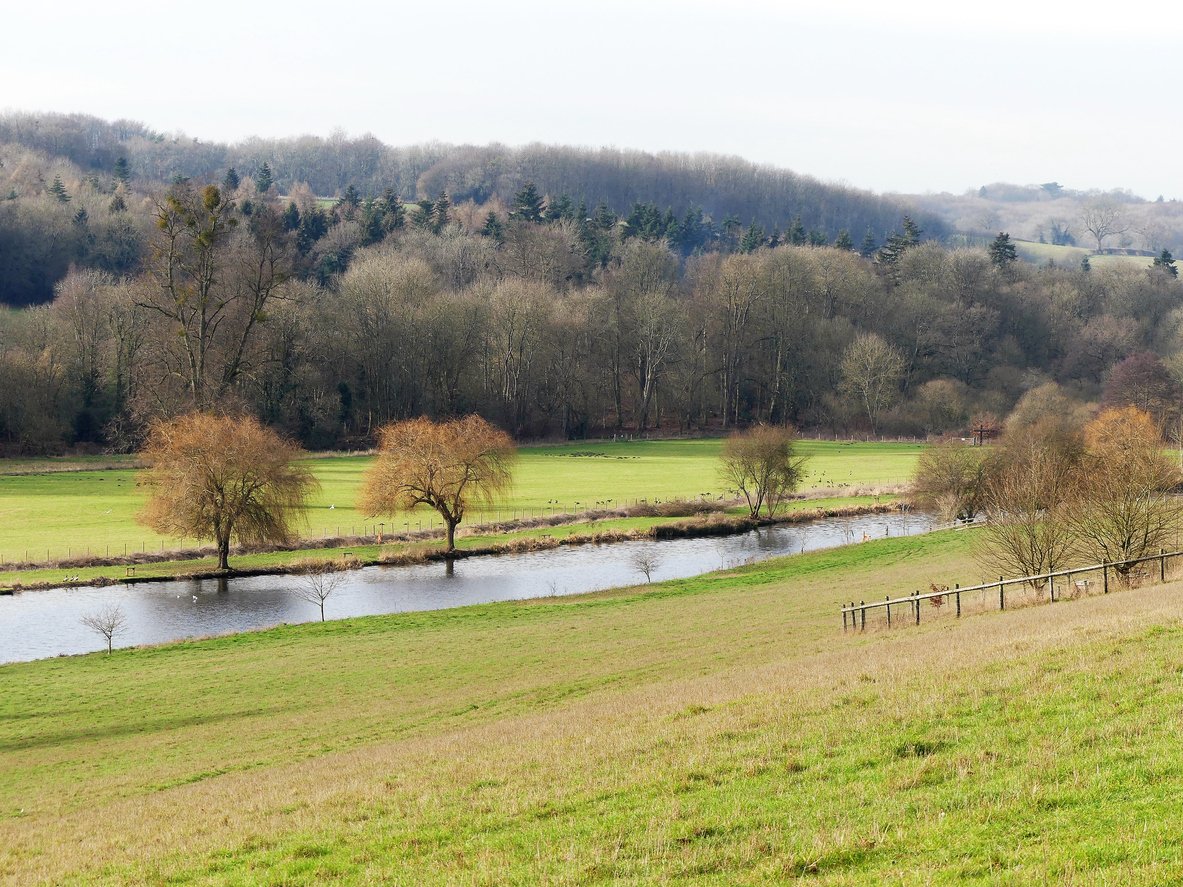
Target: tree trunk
[224,554]
[451,525]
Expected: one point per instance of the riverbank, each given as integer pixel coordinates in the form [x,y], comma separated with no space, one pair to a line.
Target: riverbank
[720,727]
[679,520]
[69,516]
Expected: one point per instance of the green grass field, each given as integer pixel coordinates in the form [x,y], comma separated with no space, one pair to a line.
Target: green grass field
[716,730]
[1070,256]
[69,513]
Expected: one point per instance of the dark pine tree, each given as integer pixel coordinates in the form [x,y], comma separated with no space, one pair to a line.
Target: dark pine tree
[264,178]
[58,190]
[1002,251]
[752,239]
[122,171]
[493,228]
[843,241]
[442,215]
[291,217]
[394,215]
[528,204]
[231,182]
[870,244]
[1165,262]
[797,235]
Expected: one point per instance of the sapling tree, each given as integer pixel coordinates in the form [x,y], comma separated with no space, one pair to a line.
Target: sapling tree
[108,621]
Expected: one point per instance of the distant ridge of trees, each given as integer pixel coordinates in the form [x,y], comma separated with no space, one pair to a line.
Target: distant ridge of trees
[722,187]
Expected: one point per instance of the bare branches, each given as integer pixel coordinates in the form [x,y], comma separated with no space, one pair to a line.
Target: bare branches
[318,585]
[109,621]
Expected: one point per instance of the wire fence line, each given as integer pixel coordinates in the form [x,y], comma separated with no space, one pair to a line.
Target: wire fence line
[1077,582]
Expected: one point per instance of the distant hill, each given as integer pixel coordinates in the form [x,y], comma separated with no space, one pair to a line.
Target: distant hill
[722,187]
[1054,215]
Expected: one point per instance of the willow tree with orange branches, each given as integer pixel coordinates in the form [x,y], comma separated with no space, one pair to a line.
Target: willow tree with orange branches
[223,478]
[1127,506]
[447,466]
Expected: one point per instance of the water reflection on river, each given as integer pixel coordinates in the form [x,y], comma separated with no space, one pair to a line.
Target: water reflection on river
[38,624]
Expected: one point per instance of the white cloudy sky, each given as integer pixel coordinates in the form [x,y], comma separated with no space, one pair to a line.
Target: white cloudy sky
[909,96]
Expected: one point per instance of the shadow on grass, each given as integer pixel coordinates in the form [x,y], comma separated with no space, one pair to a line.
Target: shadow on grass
[130,728]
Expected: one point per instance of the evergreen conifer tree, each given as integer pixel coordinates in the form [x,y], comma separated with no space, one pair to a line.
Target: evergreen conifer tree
[843,241]
[425,215]
[752,239]
[394,215]
[493,228]
[1166,262]
[869,245]
[264,179]
[122,171]
[231,182]
[442,215]
[797,235]
[291,217]
[1002,251]
[58,190]
[528,204]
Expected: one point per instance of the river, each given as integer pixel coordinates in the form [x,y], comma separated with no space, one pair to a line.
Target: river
[40,624]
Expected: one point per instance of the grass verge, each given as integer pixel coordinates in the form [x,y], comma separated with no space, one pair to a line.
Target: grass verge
[712,730]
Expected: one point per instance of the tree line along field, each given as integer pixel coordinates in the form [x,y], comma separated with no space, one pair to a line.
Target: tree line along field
[707,730]
[68,512]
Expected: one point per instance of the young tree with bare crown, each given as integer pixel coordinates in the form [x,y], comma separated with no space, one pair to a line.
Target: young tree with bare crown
[444,465]
[223,478]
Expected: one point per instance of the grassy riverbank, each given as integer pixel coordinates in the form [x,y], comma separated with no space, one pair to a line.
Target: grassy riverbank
[716,729]
[578,530]
[60,513]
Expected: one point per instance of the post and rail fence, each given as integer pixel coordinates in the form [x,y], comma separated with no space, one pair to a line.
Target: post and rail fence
[854,615]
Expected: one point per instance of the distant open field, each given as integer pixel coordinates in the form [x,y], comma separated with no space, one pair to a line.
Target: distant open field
[1070,256]
[716,730]
[66,513]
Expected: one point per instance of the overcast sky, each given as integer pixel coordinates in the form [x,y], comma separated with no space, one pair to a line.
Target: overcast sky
[911,96]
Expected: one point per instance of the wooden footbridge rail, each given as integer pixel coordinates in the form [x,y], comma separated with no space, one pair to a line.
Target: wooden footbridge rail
[854,615]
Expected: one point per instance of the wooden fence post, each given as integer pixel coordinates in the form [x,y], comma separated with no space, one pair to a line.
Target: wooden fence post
[917,595]
[957,593]
[1162,565]
[844,620]
[1105,574]
[889,611]
[864,606]
[1001,595]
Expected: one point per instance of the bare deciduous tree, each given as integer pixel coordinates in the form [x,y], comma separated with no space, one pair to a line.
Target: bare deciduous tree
[1029,496]
[645,562]
[762,465]
[108,621]
[318,584]
[444,465]
[951,478]
[223,478]
[871,373]
[1103,218]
